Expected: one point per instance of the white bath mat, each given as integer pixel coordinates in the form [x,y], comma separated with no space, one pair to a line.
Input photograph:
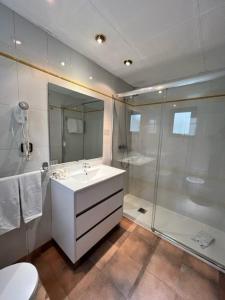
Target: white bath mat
[204,239]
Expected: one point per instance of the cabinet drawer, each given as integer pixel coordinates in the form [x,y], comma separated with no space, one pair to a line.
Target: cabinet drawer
[91,217]
[92,237]
[92,195]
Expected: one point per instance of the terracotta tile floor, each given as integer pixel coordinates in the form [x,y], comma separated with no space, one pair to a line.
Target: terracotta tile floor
[129,263]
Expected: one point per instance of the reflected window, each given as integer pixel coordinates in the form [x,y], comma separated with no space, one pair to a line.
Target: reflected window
[135,122]
[184,123]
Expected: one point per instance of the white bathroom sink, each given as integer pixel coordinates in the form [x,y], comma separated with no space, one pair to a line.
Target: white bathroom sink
[91,174]
[81,178]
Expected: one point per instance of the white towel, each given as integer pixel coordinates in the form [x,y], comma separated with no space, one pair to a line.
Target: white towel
[30,195]
[74,125]
[9,204]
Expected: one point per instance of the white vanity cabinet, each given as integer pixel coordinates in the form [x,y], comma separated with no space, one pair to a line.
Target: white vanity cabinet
[83,212]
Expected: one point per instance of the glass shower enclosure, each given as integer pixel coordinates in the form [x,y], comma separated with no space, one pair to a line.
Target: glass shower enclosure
[172,145]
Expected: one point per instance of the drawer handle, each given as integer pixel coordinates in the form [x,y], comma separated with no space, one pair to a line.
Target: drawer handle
[98,223]
[92,206]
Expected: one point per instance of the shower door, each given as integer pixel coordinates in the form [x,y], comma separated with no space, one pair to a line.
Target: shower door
[135,147]
[190,185]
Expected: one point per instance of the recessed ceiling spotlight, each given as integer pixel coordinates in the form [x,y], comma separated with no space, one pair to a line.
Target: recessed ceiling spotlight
[100,38]
[90,77]
[160,92]
[128,62]
[17,42]
[174,105]
[62,63]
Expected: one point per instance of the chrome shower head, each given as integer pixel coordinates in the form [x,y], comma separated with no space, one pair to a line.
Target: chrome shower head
[24,105]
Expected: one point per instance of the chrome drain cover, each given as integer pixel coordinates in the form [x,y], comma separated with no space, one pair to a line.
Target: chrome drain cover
[142,210]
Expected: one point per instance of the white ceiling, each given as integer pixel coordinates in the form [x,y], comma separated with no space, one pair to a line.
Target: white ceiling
[166,39]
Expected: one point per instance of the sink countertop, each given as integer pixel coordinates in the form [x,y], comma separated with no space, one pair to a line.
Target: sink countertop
[78,180]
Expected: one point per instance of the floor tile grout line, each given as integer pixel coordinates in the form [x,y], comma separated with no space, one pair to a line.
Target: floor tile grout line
[165,283]
[118,247]
[143,269]
[182,263]
[104,267]
[130,233]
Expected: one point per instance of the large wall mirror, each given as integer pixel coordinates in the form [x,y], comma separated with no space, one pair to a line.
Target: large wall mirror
[75,125]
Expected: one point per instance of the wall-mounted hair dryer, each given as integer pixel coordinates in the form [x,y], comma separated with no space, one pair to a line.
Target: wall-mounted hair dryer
[20,114]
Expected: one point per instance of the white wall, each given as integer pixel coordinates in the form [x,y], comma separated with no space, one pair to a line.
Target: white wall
[21,83]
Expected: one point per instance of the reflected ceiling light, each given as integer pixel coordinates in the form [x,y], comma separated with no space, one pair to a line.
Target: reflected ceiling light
[62,63]
[128,62]
[174,105]
[90,77]
[160,92]
[17,42]
[100,38]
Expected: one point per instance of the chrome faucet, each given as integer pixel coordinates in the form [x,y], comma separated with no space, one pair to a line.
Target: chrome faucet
[86,166]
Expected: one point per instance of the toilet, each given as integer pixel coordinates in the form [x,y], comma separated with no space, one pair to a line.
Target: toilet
[18,281]
[198,190]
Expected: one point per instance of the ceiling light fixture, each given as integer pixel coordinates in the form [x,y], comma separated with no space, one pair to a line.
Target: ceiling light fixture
[128,62]
[160,92]
[90,77]
[62,63]
[100,38]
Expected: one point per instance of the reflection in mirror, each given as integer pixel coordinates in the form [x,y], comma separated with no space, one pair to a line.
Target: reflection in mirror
[75,125]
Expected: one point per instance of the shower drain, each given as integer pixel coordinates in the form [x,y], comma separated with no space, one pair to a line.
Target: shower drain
[142,210]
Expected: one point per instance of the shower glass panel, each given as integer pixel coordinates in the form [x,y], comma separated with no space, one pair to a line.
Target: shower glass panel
[135,147]
[190,190]
[172,145]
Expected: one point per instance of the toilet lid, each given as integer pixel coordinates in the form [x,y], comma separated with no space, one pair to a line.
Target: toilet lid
[18,281]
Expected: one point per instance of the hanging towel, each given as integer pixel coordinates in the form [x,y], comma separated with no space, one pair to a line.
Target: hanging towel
[9,204]
[30,195]
[74,125]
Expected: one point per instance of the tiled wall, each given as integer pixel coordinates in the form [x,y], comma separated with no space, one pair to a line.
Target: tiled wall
[21,83]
